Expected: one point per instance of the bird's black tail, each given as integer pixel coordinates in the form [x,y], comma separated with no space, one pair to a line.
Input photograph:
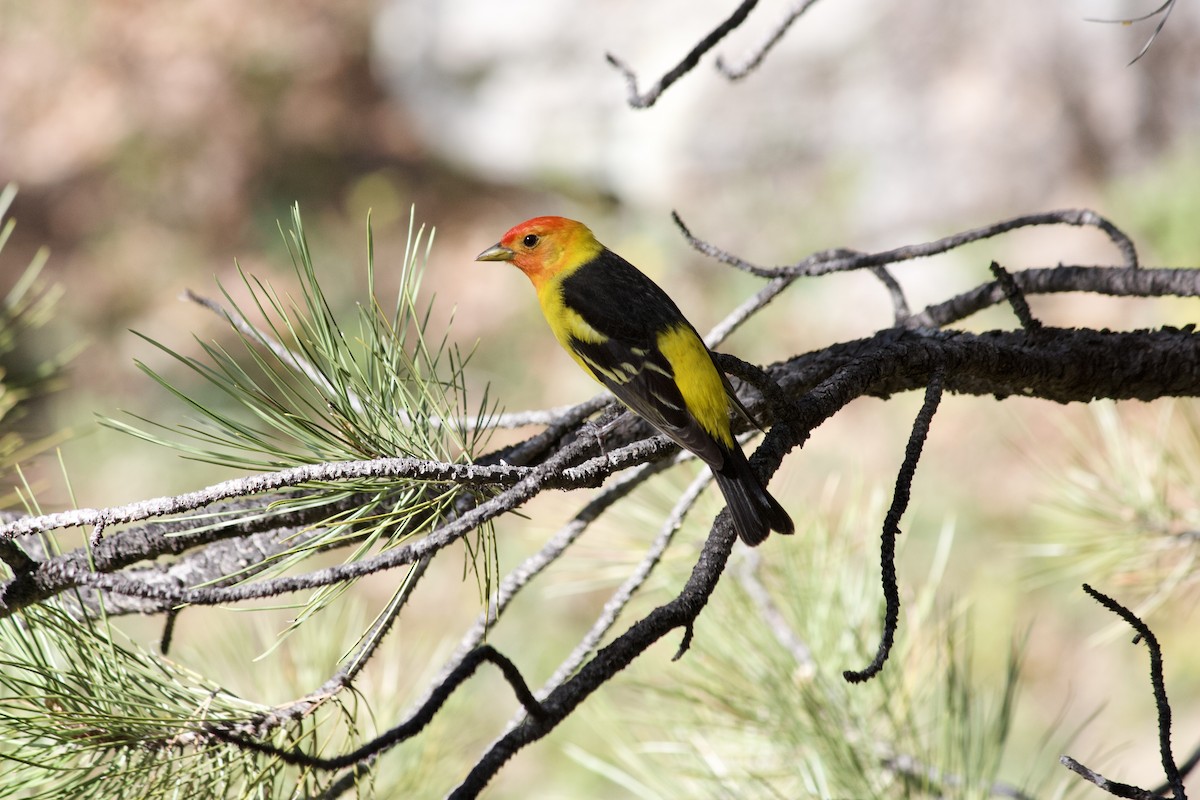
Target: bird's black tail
[755,512]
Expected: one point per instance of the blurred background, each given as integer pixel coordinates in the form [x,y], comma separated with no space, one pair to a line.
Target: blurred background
[155,143]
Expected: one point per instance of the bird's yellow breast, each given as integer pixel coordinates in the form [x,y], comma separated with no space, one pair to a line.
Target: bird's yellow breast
[566,322]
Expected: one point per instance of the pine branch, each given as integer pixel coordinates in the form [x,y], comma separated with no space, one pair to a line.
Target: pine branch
[249,521]
[1057,364]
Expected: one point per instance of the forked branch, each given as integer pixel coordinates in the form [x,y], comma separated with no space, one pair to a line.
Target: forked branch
[1163,706]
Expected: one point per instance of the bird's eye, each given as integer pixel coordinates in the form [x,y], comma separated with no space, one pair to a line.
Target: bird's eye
[530,240]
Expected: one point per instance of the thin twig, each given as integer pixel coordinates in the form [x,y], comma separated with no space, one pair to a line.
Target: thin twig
[98,530]
[747,575]
[1162,704]
[531,567]
[830,261]
[891,527]
[164,642]
[1185,769]
[734,319]
[540,443]
[262,724]
[381,468]
[754,61]
[1109,281]
[539,416]
[610,660]
[621,597]
[1115,788]
[405,730]
[390,468]
[1165,10]
[689,62]
[932,780]
[900,312]
[778,403]
[352,665]
[375,635]
[1015,297]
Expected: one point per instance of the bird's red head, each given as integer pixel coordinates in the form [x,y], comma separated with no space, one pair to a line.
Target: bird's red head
[544,247]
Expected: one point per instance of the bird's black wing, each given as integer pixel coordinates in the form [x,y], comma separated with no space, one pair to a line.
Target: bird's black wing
[630,310]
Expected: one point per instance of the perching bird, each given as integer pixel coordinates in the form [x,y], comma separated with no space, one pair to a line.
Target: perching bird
[628,335]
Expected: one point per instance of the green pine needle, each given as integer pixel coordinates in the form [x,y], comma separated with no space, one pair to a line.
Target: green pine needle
[28,305]
[83,715]
[305,385]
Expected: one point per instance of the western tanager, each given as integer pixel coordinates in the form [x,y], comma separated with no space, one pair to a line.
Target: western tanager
[628,335]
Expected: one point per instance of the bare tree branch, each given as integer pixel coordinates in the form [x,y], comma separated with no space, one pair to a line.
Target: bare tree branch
[746,572]
[1115,788]
[933,779]
[1015,297]
[842,260]
[53,575]
[760,53]
[533,566]
[1163,11]
[746,310]
[899,301]
[891,527]
[689,62]
[411,468]
[1185,769]
[1109,281]
[408,728]
[610,660]
[1163,706]
[620,598]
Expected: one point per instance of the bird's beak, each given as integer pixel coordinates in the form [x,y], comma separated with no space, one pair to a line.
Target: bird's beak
[496,252]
